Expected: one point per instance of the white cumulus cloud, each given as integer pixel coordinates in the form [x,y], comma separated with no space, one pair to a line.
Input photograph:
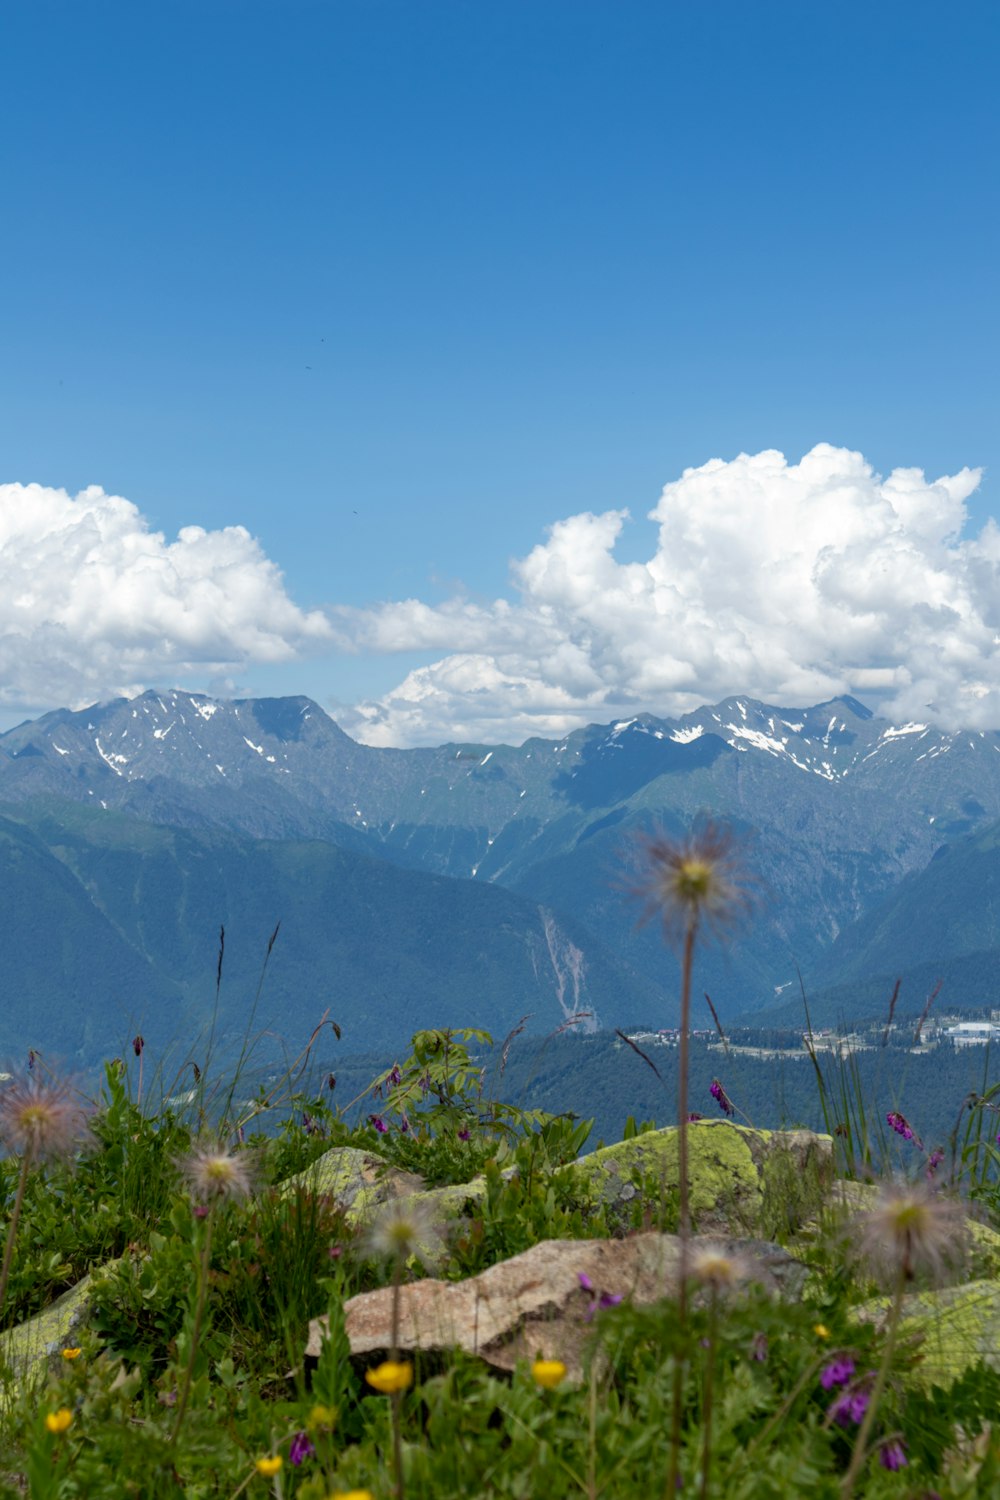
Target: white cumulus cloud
[94,604]
[791,582]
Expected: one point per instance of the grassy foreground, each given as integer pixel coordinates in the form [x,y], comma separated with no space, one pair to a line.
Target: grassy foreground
[210,1249]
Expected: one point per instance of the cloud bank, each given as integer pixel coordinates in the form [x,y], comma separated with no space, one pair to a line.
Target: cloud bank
[788,582]
[93,604]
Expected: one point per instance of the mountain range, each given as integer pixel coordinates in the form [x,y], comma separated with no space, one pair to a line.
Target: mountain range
[467,883]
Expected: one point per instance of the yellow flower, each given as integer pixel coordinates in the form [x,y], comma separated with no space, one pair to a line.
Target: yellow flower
[322,1416]
[269,1466]
[352,1495]
[71,1354]
[390,1376]
[548,1373]
[821,1331]
[58,1421]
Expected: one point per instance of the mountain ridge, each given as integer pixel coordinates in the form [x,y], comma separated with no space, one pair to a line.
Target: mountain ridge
[838,805]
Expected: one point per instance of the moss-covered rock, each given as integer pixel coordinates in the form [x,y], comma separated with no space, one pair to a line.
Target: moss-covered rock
[950,1329]
[358,1180]
[741,1179]
[36,1345]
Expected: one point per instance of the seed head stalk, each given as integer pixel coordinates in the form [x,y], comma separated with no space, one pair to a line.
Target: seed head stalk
[684,1195]
[860,1452]
[201,1299]
[709,1391]
[8,1249]
[685,882]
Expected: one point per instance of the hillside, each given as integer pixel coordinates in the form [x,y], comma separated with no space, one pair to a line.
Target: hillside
[837,808]
[112,927]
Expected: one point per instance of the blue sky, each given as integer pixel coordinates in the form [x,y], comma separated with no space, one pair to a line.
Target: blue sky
[396,287]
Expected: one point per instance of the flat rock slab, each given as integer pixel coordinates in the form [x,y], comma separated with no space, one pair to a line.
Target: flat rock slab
[37,1344]
[534,1303]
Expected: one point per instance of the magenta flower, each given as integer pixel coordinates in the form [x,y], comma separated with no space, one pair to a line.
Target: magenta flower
[300,1449]
[849,1407]
[599,1302]
[838,1372]
[721,1098]
[892,1454]
[901,1125]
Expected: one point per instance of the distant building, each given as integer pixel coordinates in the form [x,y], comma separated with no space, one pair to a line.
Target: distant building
[973,1033]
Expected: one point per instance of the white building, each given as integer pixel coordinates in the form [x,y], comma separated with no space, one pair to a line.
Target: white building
[973,1033]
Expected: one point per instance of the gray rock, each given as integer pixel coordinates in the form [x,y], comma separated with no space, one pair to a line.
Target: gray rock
[534,1303]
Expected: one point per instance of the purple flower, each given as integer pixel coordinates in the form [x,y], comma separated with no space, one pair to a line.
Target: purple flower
[892,1454]
[200,1211]
[331,1081]
[758,1348]
[838,1372]
[379,1124]
[138,1042]
[901,1125]
[300,1449]
[721,1098]
[849,1407]
[465,1134]
[598,1302]
[395,1076]
[933,1162]
[693,1116]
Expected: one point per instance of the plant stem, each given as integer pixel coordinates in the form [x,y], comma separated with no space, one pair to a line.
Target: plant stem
[861,1444]
[397,1396]
[8,1249]
[684,1225]
[706,1410]
[199,1315]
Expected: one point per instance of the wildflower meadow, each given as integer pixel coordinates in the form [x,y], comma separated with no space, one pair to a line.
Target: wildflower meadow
[167,1250]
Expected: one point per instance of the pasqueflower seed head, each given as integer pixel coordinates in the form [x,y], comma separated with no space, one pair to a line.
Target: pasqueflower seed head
[42,1118]
[911,1229]
[717,1268]
[215,1175]
[693,880]
[404,1227]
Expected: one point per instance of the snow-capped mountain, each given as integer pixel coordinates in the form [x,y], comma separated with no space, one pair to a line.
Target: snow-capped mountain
[839,807]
